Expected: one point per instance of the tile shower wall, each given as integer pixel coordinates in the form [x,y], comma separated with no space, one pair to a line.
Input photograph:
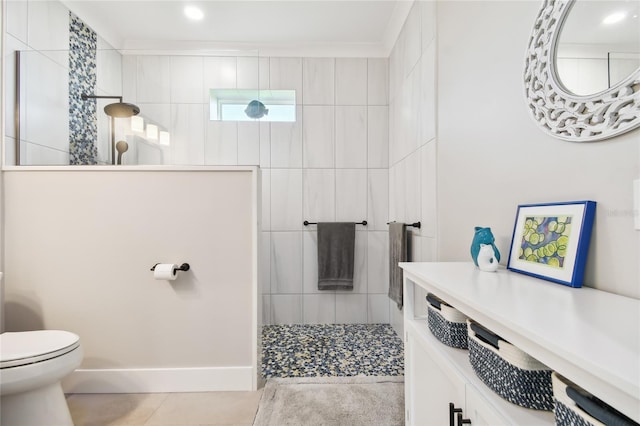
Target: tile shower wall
[330,165]
[412,136]
[83,124]
[40,29]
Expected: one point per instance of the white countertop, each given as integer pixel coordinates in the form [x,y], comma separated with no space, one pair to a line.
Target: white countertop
[589,336]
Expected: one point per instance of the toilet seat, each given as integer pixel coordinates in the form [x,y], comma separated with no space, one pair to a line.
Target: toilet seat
[28,347]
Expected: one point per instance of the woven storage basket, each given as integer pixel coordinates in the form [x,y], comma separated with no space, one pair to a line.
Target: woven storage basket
[511,373]
[569,413]
[448,325]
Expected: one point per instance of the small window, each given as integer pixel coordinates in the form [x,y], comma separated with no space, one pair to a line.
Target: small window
[252,105]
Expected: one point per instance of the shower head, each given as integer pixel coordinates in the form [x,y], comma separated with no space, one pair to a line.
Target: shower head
[118,109]
[121,110]
[115,110]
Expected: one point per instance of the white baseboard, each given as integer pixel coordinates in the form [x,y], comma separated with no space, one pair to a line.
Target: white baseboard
[151,380]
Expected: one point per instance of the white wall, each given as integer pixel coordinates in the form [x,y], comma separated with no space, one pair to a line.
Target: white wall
[78,252]
[331,165]
[490,155]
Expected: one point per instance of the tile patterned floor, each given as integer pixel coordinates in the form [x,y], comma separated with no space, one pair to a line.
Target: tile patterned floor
[164,409]
[288,351]
[312,350]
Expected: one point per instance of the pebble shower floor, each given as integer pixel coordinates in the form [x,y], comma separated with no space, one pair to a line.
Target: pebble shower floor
[322,350]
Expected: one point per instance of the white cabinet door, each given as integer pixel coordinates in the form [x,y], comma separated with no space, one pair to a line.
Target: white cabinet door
[430,386]
[480,412]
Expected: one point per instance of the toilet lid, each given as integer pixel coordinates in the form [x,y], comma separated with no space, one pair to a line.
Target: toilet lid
[27,347]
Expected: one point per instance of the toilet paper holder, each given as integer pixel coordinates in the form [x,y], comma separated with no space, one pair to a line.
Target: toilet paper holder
[183,267]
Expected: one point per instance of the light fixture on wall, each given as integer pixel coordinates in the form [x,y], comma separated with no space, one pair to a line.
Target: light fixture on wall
[152,132]
[165,138]
[137,124]
[115,110]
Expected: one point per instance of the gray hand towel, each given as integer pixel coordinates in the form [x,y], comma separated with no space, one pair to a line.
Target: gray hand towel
[336,244]
[397,253]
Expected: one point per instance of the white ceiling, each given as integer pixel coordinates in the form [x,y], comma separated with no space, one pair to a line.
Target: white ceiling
[295,27]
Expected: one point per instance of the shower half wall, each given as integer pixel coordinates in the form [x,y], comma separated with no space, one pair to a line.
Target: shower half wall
[78,248]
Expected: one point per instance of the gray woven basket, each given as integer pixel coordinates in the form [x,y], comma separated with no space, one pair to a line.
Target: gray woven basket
[448,325]
[566,411]
[511,373]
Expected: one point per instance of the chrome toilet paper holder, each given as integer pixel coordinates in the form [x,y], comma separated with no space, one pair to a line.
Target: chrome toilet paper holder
[183,267]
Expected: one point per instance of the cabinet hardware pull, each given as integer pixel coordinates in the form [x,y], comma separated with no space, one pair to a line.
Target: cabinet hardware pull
[462,421]
[452,413]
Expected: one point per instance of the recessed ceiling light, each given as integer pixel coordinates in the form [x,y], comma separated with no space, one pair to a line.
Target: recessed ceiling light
[614,18]
[194,13]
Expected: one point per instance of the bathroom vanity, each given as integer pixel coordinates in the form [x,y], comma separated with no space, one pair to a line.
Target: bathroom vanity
[589,336]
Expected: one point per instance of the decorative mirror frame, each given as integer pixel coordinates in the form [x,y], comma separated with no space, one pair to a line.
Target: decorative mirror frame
[561,113]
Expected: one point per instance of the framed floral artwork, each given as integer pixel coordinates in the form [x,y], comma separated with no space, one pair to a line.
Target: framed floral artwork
[551,241]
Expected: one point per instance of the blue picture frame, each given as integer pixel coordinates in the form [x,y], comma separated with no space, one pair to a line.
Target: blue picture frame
[551,241]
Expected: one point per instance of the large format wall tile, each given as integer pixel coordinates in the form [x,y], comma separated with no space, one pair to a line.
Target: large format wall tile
[351,81]
[428,95]
[428,23]
[221,145]
[310,262]
[130,78]
[187,134]
[351,308]
[378,82]
[378,309]
[38,155]
[378,137]
[153,82]
[378,199]
[265,263]
[186,79]
[286,73]
[351,137]
[378,262]
[412,189]
[286,309]
[412,39]
[48,30]
[286,262]
[158,114]
[109,70]
[219,73]
[319,195]
[319,308]
[17,19]
[248,72]
[428,189]
[266,309]
[286,143]
[248,143]
[318,81]
[318,137]
[265,145]
[286,199]
[360,273]
[351,195]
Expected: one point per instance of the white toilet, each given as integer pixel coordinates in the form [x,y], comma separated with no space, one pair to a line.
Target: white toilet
[32,363]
